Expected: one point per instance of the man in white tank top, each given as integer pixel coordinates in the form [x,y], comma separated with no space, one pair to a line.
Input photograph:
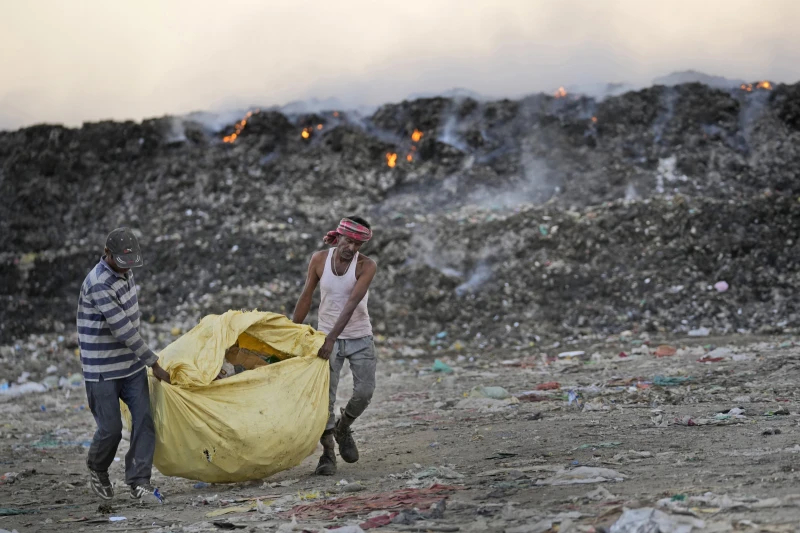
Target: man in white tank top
[344,276]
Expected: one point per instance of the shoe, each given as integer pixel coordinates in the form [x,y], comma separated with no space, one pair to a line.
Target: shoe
[344,438]
[142,489]
[100,484]
[327,464]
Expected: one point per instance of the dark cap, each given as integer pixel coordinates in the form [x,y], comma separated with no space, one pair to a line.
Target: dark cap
[124,248]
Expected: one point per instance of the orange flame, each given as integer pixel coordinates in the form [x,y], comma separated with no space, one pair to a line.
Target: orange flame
[767,86]
[417,135]
[306,133]
[594,119]
[391,159]
[409,157]
[319,126]
[560,93]
[238,128]
[335,113]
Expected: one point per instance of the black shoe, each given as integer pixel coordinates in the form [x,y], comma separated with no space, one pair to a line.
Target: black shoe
[142,489]
[344,438]
[100,484]
[327,464]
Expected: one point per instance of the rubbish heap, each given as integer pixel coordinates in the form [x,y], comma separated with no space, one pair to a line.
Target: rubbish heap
[669,209]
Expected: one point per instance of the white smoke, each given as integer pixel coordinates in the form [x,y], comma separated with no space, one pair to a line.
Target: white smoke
[479,276]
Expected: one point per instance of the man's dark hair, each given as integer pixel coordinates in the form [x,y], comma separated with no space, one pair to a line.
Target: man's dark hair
[359,220]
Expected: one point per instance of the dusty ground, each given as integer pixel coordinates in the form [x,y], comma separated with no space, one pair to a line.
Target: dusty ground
[504,449]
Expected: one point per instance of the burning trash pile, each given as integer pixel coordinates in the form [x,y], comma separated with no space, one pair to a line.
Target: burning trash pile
[497,223]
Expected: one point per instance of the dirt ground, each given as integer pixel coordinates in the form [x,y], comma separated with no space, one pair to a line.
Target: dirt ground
[669,444]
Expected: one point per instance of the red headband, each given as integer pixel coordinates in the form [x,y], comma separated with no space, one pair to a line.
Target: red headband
[348,228]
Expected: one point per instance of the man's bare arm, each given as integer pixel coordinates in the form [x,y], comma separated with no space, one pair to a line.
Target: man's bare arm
[304,302]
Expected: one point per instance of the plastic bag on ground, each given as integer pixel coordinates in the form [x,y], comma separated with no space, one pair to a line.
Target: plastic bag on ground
[649,520]
[248,426]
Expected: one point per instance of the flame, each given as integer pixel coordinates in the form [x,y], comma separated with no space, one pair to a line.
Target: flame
[767,86]
[306,133]
[335,113]
[391,159]
[417,135]
[560,93]
[409,157]
[594,119]
[238,128]
[319,126]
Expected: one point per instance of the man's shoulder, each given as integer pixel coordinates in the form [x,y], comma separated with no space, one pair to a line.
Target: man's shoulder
[319,256]
[98,279]
[98,275]
[364,260]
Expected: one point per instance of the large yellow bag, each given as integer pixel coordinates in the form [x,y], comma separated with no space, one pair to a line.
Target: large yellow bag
[248,426]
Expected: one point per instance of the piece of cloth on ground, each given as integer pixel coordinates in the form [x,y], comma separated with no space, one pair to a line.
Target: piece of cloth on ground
[248,426]
[365,504]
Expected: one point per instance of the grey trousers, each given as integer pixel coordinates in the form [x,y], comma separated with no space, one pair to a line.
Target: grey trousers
[361,354]
[104,397]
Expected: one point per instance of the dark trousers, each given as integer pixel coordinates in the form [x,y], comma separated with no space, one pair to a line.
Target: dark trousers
[104,397]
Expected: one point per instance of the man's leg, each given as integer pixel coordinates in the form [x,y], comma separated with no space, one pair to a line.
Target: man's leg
[139,459]
[327,463]
[103,398]
[361,353]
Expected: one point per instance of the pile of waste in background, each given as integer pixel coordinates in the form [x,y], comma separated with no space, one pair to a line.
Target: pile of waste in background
[497,224]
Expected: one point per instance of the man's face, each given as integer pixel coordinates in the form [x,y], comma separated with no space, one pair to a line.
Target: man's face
[113,264]
[348,247]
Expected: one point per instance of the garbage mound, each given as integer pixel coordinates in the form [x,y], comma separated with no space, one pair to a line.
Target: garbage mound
[631,206]
[260,421]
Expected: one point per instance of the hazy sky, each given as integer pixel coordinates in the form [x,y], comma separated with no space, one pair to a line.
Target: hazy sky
[74,60]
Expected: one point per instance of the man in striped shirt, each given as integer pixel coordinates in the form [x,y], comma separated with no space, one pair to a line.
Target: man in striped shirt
[113,356]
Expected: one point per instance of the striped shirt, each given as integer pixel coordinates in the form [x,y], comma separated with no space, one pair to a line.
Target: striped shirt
[108,326]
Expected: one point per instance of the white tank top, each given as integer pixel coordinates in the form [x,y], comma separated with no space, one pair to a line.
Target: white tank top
[336,290]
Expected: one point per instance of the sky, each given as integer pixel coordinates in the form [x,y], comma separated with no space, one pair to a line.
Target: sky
[85,60]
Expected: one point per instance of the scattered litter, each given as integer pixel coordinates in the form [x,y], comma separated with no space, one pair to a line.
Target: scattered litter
[550,385]
[596,404]
[598,445]
[235,509]
[780,411]
[649,520]
[709,359]
[494,393]
[700,332]
[228,525]
[631,456]
[501,455]
[571,354]
[440,366]
[8,478]
[583,474]
[670,381]
[25,388]
[7,511]
[771,431]
[386,501]
[665,351]
[116,518]
[599,494]
[721,286]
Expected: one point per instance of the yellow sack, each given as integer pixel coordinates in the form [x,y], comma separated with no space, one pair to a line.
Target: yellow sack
[248,426]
